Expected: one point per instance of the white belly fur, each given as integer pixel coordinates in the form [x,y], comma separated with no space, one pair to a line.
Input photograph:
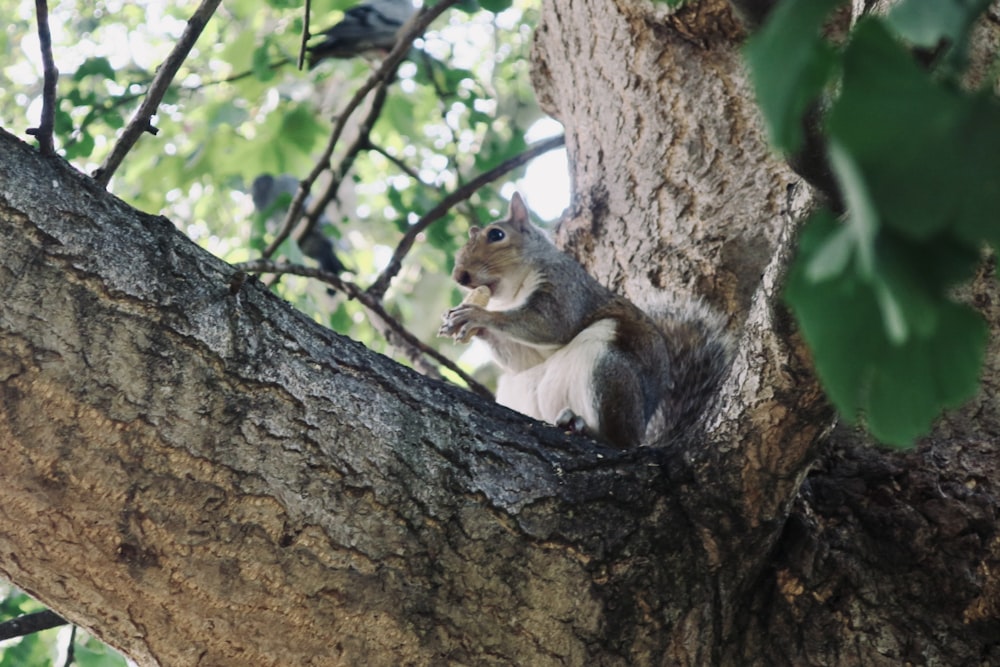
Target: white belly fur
[562,381]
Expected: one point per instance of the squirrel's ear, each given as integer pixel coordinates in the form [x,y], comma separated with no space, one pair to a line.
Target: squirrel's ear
[473,231]
[519,212]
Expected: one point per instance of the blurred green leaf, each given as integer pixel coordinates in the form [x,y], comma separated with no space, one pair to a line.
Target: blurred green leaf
[300,128]
[926,153]
[495,6]
[262,63]
[790,64]
[96,66]
[240,51]
[467,6]
[891,347]
[929,22]
[226,112]
[29,651]
[92,653]
[81,146]
[912,383]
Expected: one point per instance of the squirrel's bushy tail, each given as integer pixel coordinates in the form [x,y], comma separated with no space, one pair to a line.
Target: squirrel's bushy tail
[700,354]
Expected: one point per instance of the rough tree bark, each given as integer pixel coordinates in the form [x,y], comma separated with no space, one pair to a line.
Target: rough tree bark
[200,475]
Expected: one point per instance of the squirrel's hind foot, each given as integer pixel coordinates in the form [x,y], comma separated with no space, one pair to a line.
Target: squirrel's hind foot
[571,422]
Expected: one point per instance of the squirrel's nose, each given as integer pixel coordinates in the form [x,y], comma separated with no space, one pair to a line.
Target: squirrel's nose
[463,278]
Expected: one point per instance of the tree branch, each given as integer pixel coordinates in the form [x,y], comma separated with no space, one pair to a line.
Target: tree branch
[141,121]
[70,648]
[360,144]
[413,29]
[379,287]
[321,202]
[30,623]
[402,166]
[352,291]
[305,34]
[46,126]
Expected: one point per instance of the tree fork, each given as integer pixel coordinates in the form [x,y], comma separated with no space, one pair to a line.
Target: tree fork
[197,474]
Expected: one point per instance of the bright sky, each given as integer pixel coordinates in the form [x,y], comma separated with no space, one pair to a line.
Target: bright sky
[546,183]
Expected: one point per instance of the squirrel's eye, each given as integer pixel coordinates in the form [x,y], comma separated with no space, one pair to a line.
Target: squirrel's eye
[495,235]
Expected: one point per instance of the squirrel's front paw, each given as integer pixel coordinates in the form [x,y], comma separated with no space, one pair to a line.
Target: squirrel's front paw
[457,321]
[462,322]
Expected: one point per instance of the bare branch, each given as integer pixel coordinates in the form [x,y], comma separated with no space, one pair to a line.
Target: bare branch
[413,29]
[312,217]
[360,143]
[305,34]
[406,338]
[141,121]
[30,623]
[402,166]
[379,287]
[70,648]
[47,125]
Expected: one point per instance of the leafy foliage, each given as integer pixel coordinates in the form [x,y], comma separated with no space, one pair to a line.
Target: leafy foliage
[238,108]
[42,649]
[913,148]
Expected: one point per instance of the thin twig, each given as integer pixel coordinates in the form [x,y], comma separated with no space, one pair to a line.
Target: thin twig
[379,287]
[71,648]
[30,623]
[141,121]
[402,166]
[46,128]
[305,35]
[122,100]
[281,62]
[361,142]
[354,292]
[409,32]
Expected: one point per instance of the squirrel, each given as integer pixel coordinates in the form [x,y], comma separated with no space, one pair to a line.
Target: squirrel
[573,352]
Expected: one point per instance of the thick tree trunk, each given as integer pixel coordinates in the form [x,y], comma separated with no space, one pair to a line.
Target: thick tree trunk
[885,558]
[202,476]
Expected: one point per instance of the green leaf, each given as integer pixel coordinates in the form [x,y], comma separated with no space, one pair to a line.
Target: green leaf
[927,23]
[240,51]
[790,64]
[96,66]
[261,63]
[340,319]
[495,6]
[467,6]
[864,223]
[63,122]
[225,113]
[113,117]
[888,346]
[832,256]
[29,651]
[924,155]
[914,382]
[82,146]
[93,653]
[300,128]
[841,344]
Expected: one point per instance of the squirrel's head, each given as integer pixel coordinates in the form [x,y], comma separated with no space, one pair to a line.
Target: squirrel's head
[499,251]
